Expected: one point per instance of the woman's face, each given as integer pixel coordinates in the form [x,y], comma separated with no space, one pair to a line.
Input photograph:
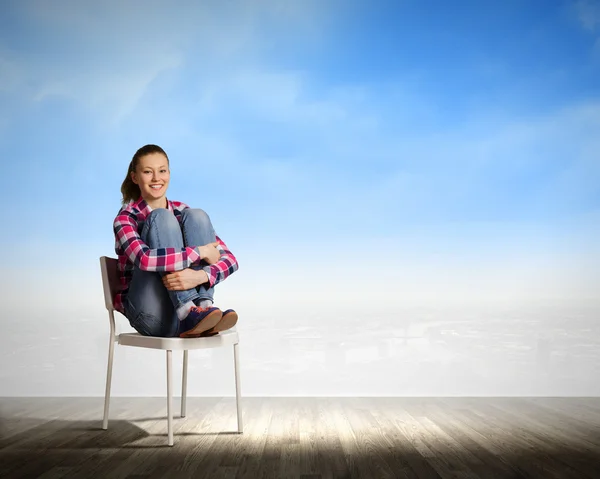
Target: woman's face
[152,176]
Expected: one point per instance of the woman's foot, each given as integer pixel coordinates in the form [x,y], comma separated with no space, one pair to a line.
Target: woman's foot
[228,321]
[200,320]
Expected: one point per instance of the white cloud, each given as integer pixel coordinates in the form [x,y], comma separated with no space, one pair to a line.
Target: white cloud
[106,56]
[588,12]
[417,170]
[112,93]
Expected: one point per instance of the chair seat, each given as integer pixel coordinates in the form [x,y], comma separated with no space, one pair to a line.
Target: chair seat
[225,338]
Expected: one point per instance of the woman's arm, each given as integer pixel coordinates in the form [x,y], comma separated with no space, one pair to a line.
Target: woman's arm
[222,269]
[138,252]
[185,279]
[212,274]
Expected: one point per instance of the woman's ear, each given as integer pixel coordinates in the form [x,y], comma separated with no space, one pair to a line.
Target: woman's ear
[132,176]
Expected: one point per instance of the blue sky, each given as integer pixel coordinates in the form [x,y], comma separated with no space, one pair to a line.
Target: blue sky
[306,126]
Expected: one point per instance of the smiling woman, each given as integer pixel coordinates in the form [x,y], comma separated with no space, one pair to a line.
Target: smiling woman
[170,257]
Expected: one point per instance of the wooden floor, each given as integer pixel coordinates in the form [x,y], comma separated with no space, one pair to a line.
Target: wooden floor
[303,438]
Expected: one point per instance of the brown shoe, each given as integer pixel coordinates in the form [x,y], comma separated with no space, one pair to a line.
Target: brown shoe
[203,319]
[228,321]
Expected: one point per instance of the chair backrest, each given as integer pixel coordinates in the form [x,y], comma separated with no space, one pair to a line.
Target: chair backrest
[110,280]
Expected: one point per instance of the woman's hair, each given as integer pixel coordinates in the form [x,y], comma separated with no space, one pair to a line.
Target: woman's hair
[129,190]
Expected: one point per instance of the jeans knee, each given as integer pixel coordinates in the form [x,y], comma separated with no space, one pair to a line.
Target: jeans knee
[197,216]
[161,221]
[162,217]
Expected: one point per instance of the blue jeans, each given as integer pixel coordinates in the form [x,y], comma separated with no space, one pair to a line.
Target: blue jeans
[149,306]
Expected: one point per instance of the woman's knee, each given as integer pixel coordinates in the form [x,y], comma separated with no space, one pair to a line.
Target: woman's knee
[162,218]
[197,216]
[162,230]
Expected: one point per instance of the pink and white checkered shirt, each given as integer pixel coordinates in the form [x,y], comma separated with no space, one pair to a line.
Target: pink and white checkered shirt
[133,252]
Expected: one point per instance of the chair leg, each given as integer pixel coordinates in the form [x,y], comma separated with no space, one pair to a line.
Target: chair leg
[238,404]
[170,396]
[184,383]
[111,350]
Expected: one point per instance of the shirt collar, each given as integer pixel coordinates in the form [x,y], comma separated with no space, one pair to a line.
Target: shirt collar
[145,209]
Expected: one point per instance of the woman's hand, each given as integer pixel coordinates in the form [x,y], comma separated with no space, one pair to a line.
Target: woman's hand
[185,279]
[210,253]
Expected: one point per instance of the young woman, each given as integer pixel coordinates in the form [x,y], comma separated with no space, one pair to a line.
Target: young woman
[169,256]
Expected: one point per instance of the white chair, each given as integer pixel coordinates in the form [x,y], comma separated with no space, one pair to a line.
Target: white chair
[110,282]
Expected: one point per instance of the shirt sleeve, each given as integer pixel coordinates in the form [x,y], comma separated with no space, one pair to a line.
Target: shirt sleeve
[223,268]
[138,252]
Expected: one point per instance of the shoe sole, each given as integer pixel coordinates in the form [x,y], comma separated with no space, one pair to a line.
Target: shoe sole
[209,322]
[227,322]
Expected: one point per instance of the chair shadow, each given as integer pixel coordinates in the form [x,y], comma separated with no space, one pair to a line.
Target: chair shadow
[55,434]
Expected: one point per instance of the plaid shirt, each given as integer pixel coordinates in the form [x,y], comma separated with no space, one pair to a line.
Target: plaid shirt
[133,252]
